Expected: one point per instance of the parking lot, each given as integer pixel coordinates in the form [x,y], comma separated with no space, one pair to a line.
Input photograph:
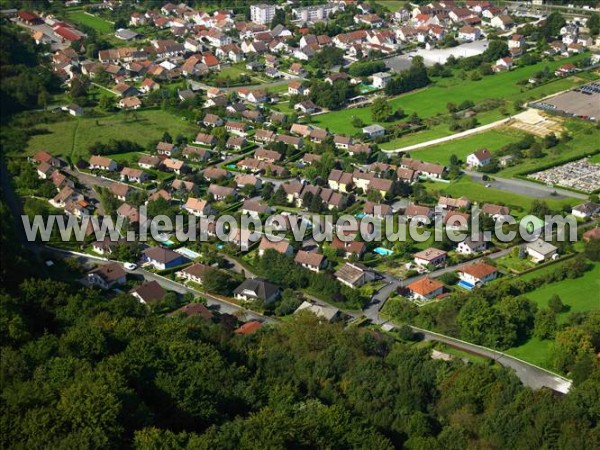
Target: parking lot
[583,102]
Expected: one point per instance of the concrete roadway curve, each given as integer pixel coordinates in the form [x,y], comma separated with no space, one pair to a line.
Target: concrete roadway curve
[530,375]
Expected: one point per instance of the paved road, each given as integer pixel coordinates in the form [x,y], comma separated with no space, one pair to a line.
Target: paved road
[524,187]
[530,375]
[222,305]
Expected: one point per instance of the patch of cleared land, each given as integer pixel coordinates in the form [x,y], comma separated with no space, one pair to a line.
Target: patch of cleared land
[73,136]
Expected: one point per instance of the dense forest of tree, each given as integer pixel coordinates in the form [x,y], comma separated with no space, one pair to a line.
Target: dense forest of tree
[25,83]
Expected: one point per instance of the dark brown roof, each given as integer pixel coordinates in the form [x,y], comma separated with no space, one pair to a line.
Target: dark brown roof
[150,292]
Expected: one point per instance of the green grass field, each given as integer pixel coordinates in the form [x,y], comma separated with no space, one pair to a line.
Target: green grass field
[433,100]
[438,131]
[586,138]
[97,23]
[74,136]
[492,140]
[595,158]
[535,351]
[580,294]
[392,5]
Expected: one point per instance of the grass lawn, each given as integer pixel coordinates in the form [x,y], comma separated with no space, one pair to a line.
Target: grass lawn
[465,187]
[433,99]
[580,294]
[438,131]
[392,5]
[595,158]
[535,351]
[74,136]
[97,23]
[508,262]
[492,140]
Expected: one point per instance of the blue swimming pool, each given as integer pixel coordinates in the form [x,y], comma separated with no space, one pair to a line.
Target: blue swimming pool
[466,285]
[383,251]
[168,243]
[220,246]
[231,166]
[360,215]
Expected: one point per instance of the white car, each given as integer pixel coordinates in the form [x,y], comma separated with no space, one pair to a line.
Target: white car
[130,266]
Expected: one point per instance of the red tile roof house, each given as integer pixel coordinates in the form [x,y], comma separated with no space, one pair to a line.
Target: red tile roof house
[220,192]
[430,256]
[148,161]
[107,276]
[477,274]
[129,212]
[239,128]
[197,207]
[205,139]
[182,188]
[160,194]
[133,175]
[479,158]
[149,293]
[174,165]
[43,156]
[195,273]
[425,289]
[271,156]
[254,208]
[419,211]
[264,136]
[215,173]
[194,310]
[44,170]
[120,190]
[349,248]
[310,260]
[454,220]
[102,163]
[236,143]
[472,244]
[249,328]
[283,246]
[212,120]
[196,153]
[165,148]
[163,258]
